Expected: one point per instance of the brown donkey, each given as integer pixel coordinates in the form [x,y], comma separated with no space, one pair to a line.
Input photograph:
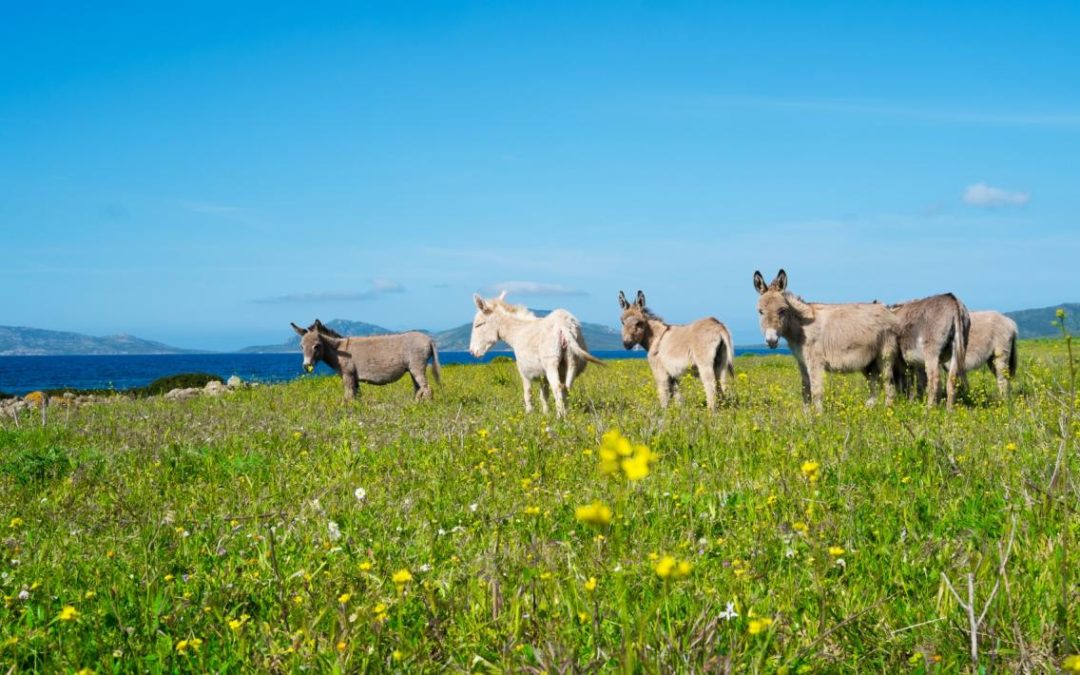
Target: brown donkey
[934,333]
[379,359]
[992,342]
[843,338]
[673,349]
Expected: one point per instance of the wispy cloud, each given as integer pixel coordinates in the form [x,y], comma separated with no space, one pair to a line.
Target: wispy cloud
[531,288]
[1037,119]
[986,196]
[379,287]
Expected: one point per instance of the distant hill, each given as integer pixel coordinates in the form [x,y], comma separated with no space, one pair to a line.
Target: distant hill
[20,341]
[1035,323]
[597,336]
[343,326]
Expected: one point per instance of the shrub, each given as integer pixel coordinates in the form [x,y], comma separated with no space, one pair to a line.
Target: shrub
[166,384]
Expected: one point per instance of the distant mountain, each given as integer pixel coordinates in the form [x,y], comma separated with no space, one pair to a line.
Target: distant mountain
[1035,323]
[343,326]
[19,341]
[597,336]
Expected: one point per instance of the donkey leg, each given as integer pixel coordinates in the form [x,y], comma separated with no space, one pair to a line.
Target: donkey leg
[817,388]
[545,394]
[951,379]
[889,375]
[557,389]
[420,383]
[526,387]
[933,380]
[1000,365]
[708,380]
[351,385]
[804,374]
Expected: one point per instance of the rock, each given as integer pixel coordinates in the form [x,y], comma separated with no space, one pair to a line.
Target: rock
[234,382]
[35,398]
[68,394]
[182,394]
[215,388]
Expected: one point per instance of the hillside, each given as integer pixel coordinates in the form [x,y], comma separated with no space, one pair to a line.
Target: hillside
[456,339]
[343,326]
[1034,323]
[21,341]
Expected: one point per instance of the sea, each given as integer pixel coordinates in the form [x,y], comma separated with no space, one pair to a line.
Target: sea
[20,375]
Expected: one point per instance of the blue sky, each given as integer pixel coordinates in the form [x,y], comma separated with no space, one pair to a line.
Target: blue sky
[203,174]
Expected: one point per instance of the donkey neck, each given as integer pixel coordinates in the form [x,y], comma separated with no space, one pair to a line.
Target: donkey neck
[654,333]
[803,315]
[333,352]
[510,327]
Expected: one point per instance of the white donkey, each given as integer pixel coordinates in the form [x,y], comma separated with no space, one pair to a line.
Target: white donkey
[551,348]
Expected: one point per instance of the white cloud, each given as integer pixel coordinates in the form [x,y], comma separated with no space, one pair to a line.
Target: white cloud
[531,288]
[981,194]
[378,288]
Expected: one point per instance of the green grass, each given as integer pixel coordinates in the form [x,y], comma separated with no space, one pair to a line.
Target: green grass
[162,522]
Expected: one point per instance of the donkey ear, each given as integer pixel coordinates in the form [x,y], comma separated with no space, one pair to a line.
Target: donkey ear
[481,304]
[622,301]
[759,283]
[298,329]
[780,282]
[640,300]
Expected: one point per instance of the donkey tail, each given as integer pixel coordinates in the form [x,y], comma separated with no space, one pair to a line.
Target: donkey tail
[435,363]
[1012,355]
[729,349]
[961,330]
[577,350]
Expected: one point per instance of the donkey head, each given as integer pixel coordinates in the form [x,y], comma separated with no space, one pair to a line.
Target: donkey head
[485,327]
[311,343]
[635,322]
[773,306]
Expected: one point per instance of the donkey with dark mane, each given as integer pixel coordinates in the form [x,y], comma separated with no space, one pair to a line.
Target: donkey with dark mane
[673,349]
[842,338]
[378,359]
[934,332]
[551,349]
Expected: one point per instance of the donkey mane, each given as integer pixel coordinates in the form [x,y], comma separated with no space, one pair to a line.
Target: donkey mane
[509,308]
[322,329]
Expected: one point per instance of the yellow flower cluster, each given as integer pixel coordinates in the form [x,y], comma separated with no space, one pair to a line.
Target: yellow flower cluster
[402,577]
[596,514]
[757,626]
[618,454]
[1071,664]
[670,568]
[810,470]
[68,613]
[183,645]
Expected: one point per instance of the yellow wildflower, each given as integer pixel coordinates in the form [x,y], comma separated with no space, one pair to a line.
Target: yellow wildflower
[15,523]
[68,613]
[344,598]
[341,646]
[365,566]
[1011,447]
[810,470]
[1060,313]
[84,671]
[402,577]
[590,585]
[1071,664]
[597,514]
[397,655]
[532,510]
[758,625]
[836,551]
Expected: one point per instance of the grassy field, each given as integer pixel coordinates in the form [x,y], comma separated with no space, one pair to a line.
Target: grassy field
[276,529]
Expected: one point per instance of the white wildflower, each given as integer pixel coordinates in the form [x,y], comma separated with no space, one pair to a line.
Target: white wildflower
[729,612]
[335,532]
[24,595]
[360,494]
[473,507]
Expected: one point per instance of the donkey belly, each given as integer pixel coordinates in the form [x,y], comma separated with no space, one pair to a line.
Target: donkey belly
[384,375]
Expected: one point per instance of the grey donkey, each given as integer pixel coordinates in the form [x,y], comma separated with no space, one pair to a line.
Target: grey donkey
[378,359]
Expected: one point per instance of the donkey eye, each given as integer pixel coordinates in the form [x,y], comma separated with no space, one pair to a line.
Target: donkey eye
[761,312]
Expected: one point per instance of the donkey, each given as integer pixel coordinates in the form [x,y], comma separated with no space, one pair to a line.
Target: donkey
[842,338]
[992,342]
[673,349]
[379,359]
[934,332]
[551,349]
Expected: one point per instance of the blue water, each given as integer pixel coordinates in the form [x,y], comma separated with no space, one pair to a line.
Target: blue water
[23,374]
